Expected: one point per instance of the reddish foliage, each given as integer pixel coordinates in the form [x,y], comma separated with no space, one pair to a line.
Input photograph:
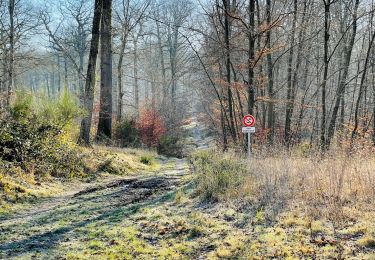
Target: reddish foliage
[151,127]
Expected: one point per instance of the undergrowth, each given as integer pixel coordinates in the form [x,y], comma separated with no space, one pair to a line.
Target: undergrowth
[32,139]
[218,177]
[35,145]
[322,189]
[146,159]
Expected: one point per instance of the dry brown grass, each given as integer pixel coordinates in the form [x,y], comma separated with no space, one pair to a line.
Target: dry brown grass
[323,186]
[323,203]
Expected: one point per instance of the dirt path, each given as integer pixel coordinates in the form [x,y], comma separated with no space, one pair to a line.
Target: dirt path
[52,224]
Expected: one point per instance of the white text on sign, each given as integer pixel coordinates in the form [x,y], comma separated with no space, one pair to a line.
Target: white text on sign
[248,129]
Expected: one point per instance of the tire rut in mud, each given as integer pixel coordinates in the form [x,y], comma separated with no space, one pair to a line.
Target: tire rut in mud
[128,191]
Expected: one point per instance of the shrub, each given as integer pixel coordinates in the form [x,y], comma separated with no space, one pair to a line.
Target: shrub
[126,133]
[170,146]
[151,127]
[34,144]
[146,159]
[22,135]
[22,107]
[60,112]
[217,176]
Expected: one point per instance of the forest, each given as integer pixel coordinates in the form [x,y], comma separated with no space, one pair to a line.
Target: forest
[122,129]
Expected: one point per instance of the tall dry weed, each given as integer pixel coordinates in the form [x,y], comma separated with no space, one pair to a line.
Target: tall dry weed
[323,185]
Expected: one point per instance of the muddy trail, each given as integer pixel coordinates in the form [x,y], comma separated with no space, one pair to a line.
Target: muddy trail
[56,224]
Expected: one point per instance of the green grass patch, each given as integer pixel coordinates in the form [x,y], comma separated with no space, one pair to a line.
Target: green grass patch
[218,177]
[147,160]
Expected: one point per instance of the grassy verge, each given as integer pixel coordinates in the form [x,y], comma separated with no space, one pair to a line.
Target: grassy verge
[123,161]
[20,189]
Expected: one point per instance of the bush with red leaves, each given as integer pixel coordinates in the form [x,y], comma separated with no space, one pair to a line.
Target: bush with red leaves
[151,127]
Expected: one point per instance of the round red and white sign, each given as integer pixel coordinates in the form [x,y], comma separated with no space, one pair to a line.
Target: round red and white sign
[248,120]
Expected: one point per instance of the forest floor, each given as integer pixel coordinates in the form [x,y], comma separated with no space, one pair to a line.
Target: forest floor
[77,223]
[154,213]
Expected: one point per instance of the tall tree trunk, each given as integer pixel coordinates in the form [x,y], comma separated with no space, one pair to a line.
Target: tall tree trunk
[173,46]
[224,128]
[84,136]
[301,37]
[119,74]
[251,39]
[227,30]
[271,112]
[46,77]
[341,59]
[262,89]
[352,103]
[53,87]
[342,111]
[342,83]
[3,65]
[154,98]
[10,87]
[290,91]
[58,74]
[80,75]
[135,73]
[327,23]
[66,84]
[162,64]
[105,111]
[373,101]
[303,99]
[361,87]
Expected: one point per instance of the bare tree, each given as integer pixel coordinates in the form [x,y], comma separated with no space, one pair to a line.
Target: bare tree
[128,16]
[70,36]
[271,112]
[16,25]
[290,91]
[84,136]
[362,83]
[251,39]
[135,69]
[341,88]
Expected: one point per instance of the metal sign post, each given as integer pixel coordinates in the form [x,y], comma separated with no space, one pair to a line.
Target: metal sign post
[249,145]
[248,121]
[249,130]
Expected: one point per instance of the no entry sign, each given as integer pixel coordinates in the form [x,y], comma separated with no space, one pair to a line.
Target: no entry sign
[248,120]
